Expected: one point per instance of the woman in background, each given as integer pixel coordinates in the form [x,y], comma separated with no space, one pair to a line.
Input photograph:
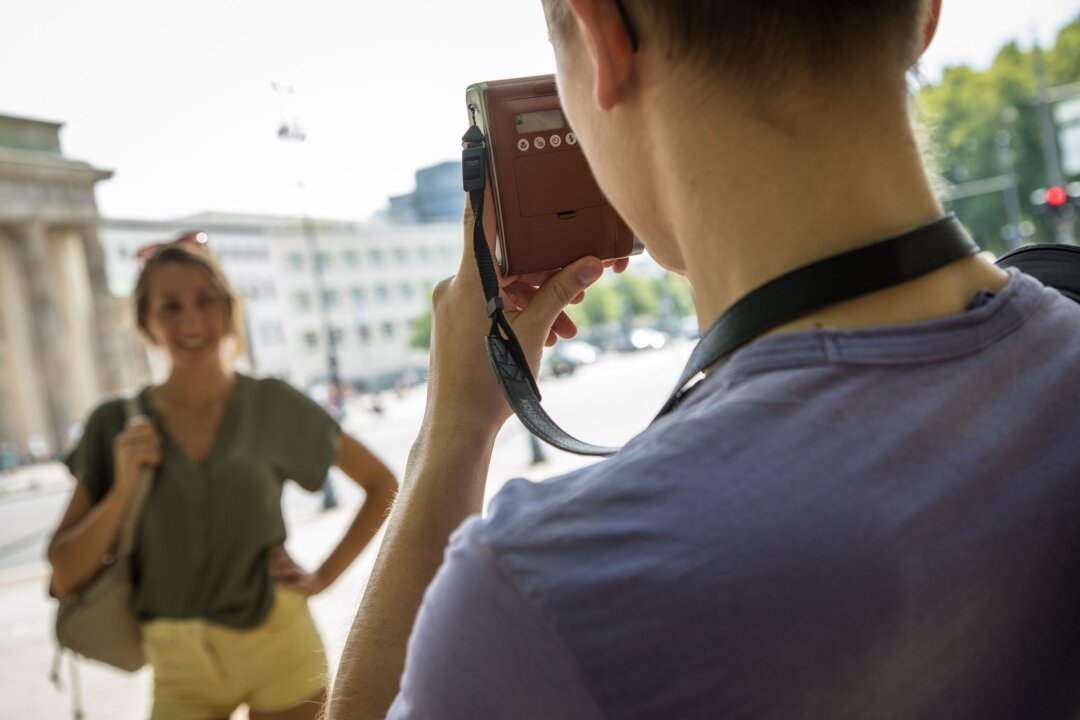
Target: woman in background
[224,608]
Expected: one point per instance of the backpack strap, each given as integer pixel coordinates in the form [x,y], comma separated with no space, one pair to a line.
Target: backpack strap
[133,413]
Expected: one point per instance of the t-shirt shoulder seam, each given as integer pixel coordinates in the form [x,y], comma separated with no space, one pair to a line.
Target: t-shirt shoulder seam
[753,365]
[541,618]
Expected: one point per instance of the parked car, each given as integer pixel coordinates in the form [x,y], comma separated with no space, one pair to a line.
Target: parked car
[567,356]
[646,339]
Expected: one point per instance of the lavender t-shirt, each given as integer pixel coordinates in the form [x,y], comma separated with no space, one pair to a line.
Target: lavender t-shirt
[878,523]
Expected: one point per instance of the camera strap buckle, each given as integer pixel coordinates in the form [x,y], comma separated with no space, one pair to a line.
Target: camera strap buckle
[473,173]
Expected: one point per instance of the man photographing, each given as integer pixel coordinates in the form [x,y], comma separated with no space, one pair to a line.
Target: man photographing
[864,513]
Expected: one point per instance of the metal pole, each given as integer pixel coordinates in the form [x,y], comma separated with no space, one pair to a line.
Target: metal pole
[311,237]
[537,450]
[1012,195]
[1051,157]
[291,131]
[1048,129]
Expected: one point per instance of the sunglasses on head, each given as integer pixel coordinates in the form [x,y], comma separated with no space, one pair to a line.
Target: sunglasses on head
[196,242]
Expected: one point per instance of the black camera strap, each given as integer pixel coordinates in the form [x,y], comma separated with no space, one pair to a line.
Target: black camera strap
[827,282]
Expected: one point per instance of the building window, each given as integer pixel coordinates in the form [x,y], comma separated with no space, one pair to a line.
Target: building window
[322,260]
[406,291]
[358,296]
[423,254]
[375,257]
[329,298]
[296,261]
[400,255]
[336,335]
[388,330]
[382,293]
[303,301]
[311,340]
[352,258]
[271,334]
[364,333]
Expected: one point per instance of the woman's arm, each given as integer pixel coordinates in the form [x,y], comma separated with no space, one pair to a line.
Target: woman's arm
[379,484]
[88,531]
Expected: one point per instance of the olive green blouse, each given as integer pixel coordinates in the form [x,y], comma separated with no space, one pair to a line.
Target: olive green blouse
[207,527]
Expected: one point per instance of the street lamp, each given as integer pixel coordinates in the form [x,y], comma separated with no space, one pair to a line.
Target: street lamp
[290,131]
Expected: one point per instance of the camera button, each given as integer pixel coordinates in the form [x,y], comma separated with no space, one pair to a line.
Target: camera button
[523,144]
[539,143]
[571,138]
[555,141]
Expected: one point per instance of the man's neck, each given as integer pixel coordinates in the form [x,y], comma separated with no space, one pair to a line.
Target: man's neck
[771,197]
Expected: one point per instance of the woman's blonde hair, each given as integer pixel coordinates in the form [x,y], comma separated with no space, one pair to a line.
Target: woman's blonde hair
[178,253]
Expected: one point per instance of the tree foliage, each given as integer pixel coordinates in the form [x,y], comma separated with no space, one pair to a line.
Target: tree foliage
[974,117]
[420,332]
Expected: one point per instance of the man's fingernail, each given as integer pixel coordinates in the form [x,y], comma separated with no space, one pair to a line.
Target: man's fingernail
[589,272]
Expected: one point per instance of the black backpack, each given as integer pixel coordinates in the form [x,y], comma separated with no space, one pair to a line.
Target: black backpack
[1056,266]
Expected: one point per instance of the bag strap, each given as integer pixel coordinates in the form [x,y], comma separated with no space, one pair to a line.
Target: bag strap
[133,413]
[827,282]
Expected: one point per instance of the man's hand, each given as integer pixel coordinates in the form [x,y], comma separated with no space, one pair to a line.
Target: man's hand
[462,387]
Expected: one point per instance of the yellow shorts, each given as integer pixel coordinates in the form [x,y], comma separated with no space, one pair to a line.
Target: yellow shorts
[204,671]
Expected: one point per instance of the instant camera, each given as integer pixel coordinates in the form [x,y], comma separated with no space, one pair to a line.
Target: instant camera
[549,209]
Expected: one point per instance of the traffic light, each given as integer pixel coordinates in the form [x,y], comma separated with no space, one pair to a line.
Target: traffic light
[1056,199]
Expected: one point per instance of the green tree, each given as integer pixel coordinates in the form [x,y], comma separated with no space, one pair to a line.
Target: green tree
[420,332]
[602,305]
[970,112]
[682,297]
[639,294]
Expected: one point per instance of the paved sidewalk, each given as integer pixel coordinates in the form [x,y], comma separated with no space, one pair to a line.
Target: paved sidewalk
[27,648]
[601,404]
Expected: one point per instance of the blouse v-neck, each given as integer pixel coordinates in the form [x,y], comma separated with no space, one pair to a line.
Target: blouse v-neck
[219,433]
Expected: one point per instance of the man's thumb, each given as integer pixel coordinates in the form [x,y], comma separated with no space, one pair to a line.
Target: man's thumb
[562,287]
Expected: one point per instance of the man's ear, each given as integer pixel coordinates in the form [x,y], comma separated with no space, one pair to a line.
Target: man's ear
[604,33]
[931,25]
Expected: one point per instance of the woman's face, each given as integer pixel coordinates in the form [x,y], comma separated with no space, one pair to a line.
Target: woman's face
[186,315]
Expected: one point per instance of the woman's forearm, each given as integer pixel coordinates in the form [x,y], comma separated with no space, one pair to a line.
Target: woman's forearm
[367,522]
[76,554]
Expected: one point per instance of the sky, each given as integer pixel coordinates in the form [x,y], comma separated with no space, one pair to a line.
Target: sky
[178,99]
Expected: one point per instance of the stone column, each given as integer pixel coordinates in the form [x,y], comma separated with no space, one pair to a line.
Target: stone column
[121,360]
[22,382]
[75,306]
[48,334]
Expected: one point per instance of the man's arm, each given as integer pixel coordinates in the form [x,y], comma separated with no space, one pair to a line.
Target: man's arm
[447,468]
[443,484]
[481,649]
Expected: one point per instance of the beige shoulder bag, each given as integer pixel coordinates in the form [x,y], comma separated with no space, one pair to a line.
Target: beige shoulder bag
[99,621]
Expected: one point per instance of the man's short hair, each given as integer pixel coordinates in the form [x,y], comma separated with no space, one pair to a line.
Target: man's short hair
[766,40]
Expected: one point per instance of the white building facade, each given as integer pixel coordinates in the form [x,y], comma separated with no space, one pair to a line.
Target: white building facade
[376,281]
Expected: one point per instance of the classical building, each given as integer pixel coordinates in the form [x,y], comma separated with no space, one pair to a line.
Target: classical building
[61,347]
[67,338]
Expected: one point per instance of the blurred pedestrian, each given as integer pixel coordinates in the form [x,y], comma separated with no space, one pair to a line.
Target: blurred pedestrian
[224,612]
[37,447]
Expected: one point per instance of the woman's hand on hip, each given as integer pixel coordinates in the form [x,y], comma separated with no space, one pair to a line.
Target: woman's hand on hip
[285,572]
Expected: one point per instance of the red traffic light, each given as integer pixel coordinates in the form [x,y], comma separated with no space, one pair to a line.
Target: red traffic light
[1056,196]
